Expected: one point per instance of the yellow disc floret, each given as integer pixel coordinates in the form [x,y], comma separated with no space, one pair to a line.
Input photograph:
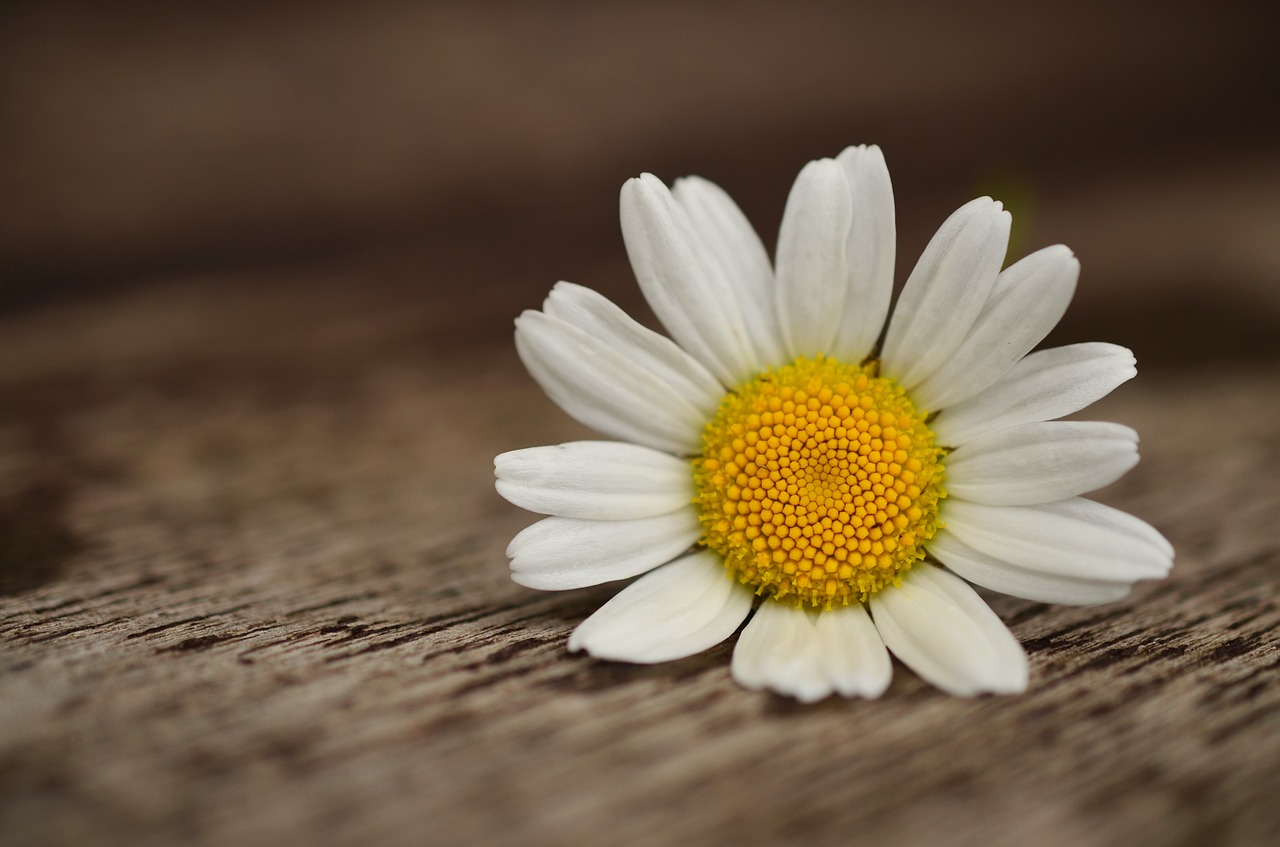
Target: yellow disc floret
[818,482]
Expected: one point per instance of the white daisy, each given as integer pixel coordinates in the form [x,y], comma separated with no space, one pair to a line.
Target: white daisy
[777,455]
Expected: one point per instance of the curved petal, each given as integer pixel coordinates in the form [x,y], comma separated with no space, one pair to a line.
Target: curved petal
[812,272]
[680,609]
[1075,537]
[869,251]
[1043,386]
[1028,583]
[684,284]
[604,387]
[1041,462]
[729,239]
[594,480]
[946,291]
[853,655]
[596,315]
[940,628]
[780,649]
[559,553]
[1028,300]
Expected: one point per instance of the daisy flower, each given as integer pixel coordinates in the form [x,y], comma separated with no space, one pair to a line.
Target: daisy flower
[785,451]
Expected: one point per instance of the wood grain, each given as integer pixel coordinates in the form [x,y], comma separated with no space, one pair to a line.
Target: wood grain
[254,591]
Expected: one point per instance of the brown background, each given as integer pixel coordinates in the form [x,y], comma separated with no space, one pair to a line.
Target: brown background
[258,265]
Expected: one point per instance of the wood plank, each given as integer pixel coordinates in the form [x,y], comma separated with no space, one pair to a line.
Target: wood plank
[254,590]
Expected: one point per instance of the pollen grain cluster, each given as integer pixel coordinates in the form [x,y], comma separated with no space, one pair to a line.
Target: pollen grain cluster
[818,483]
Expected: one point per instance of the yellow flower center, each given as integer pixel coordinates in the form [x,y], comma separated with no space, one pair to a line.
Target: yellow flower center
[818,482]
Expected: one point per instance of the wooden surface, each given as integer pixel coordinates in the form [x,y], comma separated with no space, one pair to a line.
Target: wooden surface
[254,592]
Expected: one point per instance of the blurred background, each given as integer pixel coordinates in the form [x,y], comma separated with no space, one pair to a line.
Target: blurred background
[471,153]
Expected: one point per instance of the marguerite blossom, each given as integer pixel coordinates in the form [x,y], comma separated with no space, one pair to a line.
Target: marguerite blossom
[780,453]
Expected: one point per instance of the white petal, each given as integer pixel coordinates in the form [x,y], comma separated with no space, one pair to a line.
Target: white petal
[594,480]
[558,553]
[853,655]
[602,386]
[683,608]
[940,628]
[1041,462]
[729,239]
[1075,537]
[1028,300]
[946,291]
[870,252]
[812,272]
[1043,386]
[684,284]
[593,313]
[780,649]
[999,575]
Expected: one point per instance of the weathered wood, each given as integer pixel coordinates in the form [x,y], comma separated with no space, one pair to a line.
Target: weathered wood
[255,592]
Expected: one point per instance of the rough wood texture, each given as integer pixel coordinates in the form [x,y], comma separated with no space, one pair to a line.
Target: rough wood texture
[254,591]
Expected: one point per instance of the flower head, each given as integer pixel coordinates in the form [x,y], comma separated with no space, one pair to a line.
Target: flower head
[775,454]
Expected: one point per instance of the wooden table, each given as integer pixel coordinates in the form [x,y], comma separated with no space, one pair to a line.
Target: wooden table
[254,592]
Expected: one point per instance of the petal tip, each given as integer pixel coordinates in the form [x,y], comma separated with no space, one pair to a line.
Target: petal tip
[827,166]
[504,488]
[523,580]
[640,189]
[688,182]
[564,287]
[855,152]
[524,318]
[645,182]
